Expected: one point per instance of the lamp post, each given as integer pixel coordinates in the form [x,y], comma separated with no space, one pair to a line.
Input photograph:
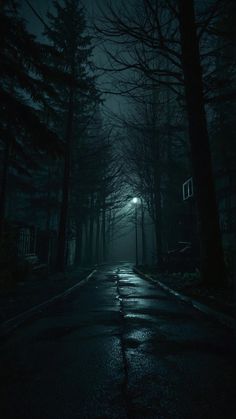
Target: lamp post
[135,201]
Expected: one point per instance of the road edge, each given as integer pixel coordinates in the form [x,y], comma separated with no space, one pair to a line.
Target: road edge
[222,318]
[14,322]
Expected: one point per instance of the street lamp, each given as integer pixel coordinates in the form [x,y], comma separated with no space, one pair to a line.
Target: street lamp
[135,201]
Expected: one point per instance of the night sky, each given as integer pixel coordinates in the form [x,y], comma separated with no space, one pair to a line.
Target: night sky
[43,6]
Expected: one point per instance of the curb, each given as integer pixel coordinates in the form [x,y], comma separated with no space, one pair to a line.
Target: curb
[14,322]
[222,318]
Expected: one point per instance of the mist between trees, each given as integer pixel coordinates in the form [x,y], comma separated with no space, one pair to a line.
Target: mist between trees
[71,160]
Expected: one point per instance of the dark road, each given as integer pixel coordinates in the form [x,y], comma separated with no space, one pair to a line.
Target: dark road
[118,347]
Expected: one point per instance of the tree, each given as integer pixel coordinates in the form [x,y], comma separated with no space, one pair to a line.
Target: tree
[94,190]
[212,260]
[67,32]
[158,47]
[156,157]
[25,80]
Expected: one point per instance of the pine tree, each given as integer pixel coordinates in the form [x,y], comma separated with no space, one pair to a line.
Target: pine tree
[67,34]
[24,85]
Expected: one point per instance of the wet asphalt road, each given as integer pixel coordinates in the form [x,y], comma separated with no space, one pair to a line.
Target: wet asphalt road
[119,347]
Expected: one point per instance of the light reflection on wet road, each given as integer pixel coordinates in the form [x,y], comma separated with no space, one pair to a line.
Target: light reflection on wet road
[118,348]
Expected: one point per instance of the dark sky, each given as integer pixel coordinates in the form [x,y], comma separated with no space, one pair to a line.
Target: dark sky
[42,6]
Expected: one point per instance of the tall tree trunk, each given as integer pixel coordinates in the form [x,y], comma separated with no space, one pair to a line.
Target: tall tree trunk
[112,232]
[104,250]
[3,195]
[78,249]
[213,269]
[156,150]
[62,236]
[85,246]
[158,207]
[108,232]
[158,226]
[91,228]
[48,217]
[144,249]
[136,234]
[97,246]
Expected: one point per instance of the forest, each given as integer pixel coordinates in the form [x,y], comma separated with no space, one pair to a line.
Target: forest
[117,129]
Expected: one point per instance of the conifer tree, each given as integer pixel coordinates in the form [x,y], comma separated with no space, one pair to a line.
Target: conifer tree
[25,81]
[67,34]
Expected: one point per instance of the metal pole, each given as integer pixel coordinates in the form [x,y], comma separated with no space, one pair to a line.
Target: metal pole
[136,234]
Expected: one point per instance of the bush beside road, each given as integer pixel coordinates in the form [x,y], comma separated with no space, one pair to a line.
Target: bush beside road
[189,285]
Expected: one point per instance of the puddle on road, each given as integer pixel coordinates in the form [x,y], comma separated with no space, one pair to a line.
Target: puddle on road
[138,317]
[135,338]
[132,343]
[124,284]
[145,297]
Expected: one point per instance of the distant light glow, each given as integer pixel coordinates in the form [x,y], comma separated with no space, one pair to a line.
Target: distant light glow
[135,200]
